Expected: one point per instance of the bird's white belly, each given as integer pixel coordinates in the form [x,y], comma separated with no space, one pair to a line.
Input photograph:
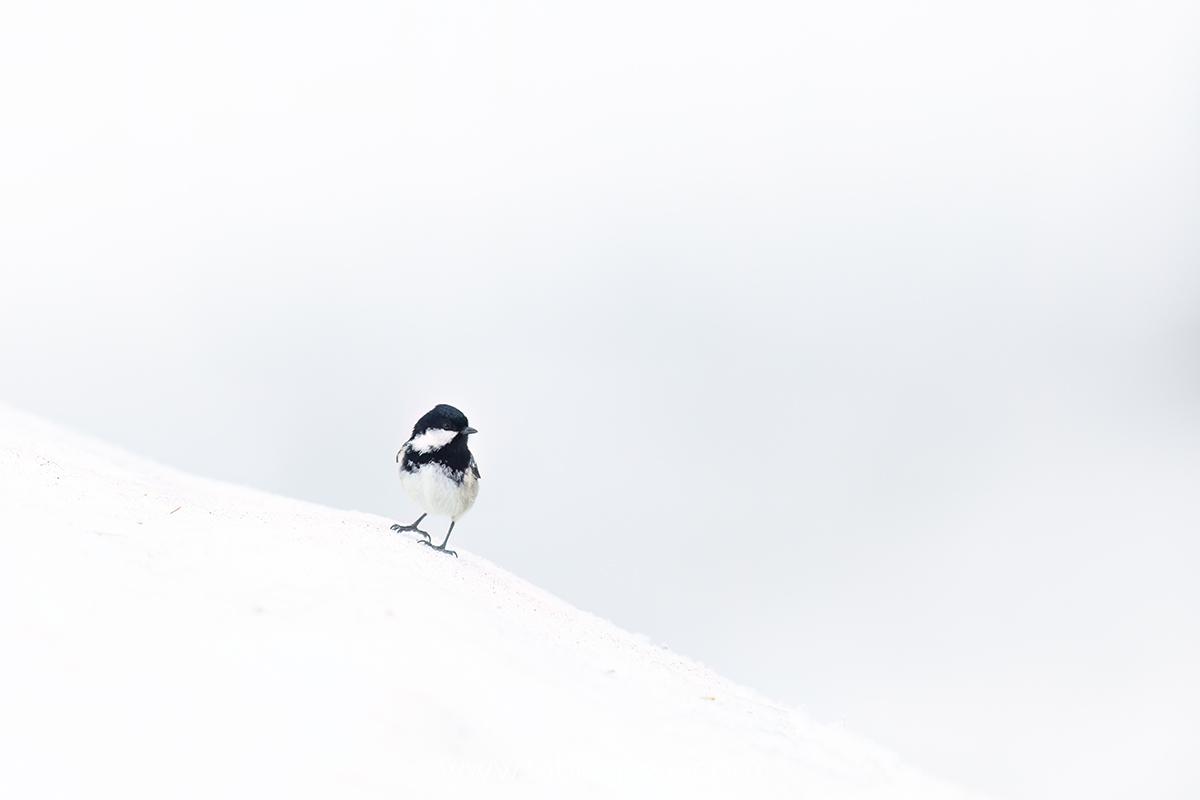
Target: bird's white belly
[436,493]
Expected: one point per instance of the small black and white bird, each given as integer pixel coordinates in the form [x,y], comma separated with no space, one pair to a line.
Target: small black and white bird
[437,470]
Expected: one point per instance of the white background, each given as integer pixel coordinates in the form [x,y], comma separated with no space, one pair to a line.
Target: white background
[851,348]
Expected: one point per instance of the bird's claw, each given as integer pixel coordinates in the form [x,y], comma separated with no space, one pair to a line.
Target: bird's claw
[414,528]
[440,548]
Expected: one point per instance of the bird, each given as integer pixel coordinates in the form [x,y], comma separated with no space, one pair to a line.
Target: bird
[437,470]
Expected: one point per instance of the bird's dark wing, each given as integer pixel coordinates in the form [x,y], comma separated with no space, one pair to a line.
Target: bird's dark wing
[475,468]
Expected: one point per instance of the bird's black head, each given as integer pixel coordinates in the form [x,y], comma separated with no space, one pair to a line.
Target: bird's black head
[441,435]
[443,417]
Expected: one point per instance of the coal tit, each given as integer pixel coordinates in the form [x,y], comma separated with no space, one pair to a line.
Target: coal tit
[437,470]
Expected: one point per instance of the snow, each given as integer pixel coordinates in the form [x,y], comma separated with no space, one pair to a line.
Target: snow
[164,635]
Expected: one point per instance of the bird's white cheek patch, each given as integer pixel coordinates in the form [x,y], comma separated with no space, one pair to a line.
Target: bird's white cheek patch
[432,439]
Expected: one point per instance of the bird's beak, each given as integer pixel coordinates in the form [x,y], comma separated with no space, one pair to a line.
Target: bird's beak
[469,431]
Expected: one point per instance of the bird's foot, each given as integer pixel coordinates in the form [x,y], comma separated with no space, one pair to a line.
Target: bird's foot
[439,547]
[413,528]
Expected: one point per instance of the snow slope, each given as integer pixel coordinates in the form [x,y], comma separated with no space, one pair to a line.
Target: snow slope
[163,636]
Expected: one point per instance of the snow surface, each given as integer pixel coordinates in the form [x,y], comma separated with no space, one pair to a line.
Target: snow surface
[163,635]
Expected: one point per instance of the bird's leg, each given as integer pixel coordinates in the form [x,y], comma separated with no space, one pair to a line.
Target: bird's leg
[442,546]
[414,527]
